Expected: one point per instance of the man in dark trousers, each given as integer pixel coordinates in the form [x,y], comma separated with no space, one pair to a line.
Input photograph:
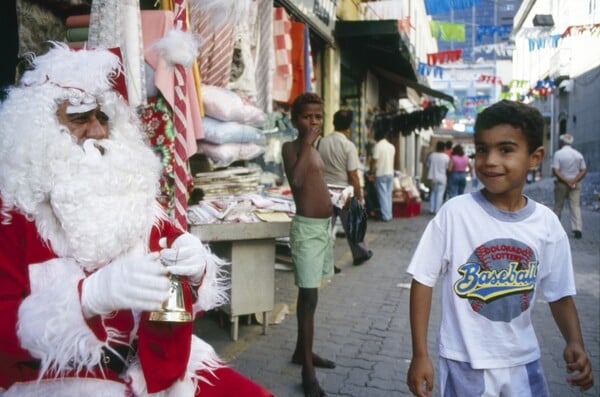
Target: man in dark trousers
[341,168]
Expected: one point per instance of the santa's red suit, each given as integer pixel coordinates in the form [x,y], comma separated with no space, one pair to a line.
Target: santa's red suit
[80,239]
[167,351]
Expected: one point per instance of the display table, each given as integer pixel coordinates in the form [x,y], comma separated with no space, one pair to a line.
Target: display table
[250,249]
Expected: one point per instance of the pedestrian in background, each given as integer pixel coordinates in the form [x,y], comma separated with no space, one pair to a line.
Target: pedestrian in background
[382,167]
[437,163]
[458,167]
[568,166]
[342,166]
[497,253]
[311,245]
[448,151]
[474,181]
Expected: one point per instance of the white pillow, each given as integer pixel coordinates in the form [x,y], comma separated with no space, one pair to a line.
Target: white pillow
[217,131]
[225,105]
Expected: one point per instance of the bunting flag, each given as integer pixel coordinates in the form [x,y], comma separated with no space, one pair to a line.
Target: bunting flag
[518,84]
[542,89]
[444,57]
[447,31]
[433,7]
[581,29]
[426,70]
[475,101]
[491,30]
[543,42]
[500,49]
[180,125]
[486,78]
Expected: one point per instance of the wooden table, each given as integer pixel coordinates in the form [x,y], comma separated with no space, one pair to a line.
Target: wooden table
[250,249]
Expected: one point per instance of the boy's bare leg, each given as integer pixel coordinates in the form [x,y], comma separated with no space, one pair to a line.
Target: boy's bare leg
[299,354]
[305,313]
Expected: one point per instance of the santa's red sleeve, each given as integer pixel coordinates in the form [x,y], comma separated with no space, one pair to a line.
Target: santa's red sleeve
[20,245]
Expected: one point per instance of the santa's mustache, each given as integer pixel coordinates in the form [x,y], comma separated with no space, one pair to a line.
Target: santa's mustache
[97,147]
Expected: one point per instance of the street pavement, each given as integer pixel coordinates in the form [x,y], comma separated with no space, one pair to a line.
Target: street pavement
[362,320]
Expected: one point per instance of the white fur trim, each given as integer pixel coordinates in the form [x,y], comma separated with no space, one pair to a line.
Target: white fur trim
[178,48]
[212,292]
[51,325]
[89,72]
[70,387]
[202,358]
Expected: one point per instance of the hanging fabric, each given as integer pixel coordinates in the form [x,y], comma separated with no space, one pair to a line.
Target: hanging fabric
[265,56]
[282,79]
[117,23]
[298,50]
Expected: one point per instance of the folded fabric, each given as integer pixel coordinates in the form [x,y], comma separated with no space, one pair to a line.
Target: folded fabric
[225,154]
[225,105]
[78,21]
[77,34]
[217,131]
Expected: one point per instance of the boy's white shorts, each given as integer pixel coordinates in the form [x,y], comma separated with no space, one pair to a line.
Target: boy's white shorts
[458,379]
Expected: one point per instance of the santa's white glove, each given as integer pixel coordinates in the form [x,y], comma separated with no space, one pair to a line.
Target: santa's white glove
[136,284]
[186,257]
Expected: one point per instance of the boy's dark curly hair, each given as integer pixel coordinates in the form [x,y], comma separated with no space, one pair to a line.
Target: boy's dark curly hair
[302,100]
[517,115]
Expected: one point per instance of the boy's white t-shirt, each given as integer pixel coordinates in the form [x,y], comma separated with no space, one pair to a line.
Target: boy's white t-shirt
[486,314]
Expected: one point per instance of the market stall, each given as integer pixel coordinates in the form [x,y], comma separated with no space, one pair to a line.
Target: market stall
[250,250]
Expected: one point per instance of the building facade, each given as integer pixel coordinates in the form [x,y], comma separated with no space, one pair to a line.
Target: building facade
[558,64]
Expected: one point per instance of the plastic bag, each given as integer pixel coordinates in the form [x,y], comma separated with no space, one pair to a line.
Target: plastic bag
[357,221]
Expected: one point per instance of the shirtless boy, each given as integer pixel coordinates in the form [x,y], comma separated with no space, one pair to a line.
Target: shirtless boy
[311,244]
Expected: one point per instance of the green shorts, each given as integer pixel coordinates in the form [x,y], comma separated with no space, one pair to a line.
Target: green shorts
[312,250]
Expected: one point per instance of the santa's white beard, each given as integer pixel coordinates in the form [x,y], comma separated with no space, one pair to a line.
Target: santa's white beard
[102,203]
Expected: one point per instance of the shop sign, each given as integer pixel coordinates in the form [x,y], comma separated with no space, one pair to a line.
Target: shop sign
[320,14]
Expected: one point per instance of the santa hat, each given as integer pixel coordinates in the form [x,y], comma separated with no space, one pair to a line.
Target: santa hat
[86,75]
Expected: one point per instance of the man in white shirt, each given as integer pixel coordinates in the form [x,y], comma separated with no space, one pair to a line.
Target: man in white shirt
[382,166]
[568,166]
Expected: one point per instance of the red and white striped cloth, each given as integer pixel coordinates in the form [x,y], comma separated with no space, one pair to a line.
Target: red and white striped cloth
[216,48]
[282,79]
[180,123]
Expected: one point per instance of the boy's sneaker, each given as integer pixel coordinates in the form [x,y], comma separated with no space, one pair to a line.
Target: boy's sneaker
[577,233]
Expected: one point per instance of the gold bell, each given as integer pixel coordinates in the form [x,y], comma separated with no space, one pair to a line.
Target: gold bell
[173,309]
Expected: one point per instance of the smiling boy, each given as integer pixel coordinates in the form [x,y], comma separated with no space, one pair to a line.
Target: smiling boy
[495,252]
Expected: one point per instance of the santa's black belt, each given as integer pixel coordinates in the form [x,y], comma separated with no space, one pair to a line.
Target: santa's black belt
[114,359]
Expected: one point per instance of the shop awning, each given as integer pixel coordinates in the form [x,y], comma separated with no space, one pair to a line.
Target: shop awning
[423,89]
[381,46]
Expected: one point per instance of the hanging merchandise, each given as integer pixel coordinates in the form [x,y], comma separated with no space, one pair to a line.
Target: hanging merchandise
[214,22]
[115,23]
[265,55]
[407,123]
[282,79]
[298,67]
[178,49]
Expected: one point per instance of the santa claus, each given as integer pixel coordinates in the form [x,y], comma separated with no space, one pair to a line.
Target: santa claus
[85,251]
